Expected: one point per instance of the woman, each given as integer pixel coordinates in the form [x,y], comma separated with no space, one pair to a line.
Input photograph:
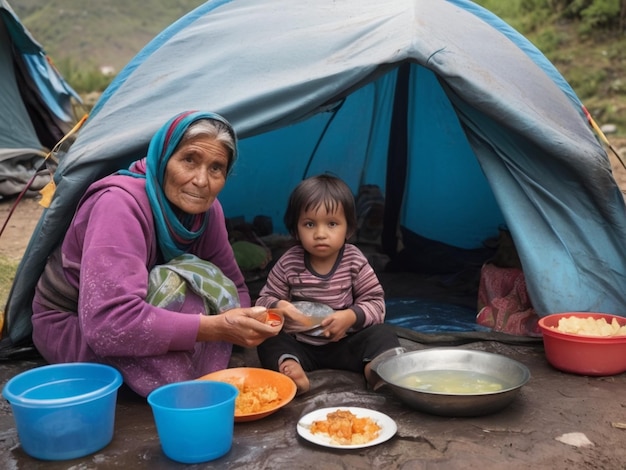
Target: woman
[129,285]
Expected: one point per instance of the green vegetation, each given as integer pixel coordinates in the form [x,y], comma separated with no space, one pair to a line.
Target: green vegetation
[81,39]
[83,79]
[7,274]
[585,41]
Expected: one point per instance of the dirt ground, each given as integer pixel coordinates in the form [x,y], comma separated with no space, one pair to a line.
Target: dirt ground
[20,226]
[618,166]
[557,421]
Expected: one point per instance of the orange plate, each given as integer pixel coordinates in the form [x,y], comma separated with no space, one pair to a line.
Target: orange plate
[256,377]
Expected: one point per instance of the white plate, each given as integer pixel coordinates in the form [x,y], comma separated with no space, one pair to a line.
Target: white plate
[387,427]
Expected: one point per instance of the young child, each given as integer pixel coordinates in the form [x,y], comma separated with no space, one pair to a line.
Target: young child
[324,268]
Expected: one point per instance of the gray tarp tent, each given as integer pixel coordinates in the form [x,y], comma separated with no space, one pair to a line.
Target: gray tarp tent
[35,105]
[458,118]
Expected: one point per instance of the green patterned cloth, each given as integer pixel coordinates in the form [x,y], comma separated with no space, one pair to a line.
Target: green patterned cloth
[168,284]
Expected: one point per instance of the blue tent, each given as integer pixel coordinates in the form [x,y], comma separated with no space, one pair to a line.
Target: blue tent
[460,120]
[35,104]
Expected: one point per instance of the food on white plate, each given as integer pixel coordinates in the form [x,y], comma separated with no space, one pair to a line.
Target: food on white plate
[345,428]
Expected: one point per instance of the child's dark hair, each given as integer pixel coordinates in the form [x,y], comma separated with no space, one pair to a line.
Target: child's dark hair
[312,192]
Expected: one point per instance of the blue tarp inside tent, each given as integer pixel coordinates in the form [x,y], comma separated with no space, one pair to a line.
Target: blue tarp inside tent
[458,118]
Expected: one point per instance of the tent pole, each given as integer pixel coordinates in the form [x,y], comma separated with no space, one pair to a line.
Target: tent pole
[397,157]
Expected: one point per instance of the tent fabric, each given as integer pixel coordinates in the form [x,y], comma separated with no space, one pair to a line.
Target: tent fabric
[492,133]
[35,103]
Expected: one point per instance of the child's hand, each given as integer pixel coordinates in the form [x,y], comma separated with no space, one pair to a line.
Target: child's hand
[337,324]
[294,319]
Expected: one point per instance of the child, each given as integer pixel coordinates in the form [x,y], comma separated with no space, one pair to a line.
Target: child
[323,268]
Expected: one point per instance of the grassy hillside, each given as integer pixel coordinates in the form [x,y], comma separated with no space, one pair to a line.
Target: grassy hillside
[96,33]
[592,60]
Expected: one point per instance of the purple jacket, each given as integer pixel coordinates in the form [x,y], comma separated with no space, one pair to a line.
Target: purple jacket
[107,253]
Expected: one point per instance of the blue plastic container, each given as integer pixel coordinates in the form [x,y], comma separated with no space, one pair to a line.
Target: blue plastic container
[64,411]
[194,419]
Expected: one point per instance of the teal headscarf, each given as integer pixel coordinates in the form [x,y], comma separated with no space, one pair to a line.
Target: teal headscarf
[174,235]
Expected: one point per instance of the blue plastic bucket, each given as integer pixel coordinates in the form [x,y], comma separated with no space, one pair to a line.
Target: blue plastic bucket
[64,411]
[194,419]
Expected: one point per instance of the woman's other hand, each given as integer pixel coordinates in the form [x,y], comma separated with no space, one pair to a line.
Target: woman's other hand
[241,326]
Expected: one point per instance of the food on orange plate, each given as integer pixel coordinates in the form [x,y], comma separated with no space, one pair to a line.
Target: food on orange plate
[590,326]
[253,399]
[344,428]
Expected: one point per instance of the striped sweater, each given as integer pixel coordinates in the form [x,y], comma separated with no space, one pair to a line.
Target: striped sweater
[351,284]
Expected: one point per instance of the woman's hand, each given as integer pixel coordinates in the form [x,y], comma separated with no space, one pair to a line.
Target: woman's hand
[241,326]
[337,324]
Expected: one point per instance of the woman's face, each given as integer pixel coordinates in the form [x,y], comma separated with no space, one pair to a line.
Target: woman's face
[195,174]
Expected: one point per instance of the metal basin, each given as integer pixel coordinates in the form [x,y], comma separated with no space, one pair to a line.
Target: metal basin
[510,374]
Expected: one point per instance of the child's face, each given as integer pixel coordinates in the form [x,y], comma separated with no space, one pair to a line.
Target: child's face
[322,234]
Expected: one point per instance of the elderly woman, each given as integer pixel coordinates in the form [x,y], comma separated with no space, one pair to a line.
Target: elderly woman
[145,279]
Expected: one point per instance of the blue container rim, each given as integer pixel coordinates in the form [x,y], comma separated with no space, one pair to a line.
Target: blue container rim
[19,399]
[193,383]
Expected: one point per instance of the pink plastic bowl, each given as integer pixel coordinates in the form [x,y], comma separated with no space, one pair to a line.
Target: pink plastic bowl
[584,355]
